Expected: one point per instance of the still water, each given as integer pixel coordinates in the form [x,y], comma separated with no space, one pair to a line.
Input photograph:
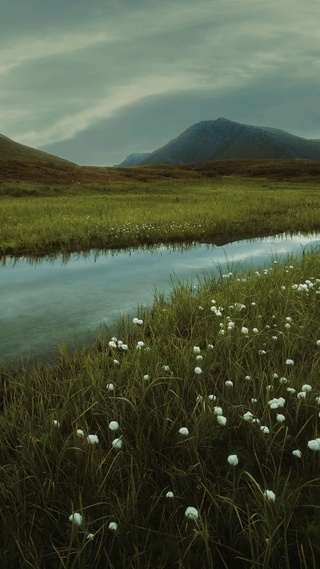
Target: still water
[55,301]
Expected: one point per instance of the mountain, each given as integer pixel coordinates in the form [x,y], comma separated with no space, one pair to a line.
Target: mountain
[224,139]
[135,158]
[10,150]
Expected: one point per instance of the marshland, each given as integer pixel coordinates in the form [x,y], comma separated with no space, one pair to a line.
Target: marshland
[190,437]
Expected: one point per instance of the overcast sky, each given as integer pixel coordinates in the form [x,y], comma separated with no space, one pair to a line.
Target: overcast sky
[93,81]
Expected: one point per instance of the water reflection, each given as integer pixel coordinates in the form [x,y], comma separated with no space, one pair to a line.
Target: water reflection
[52,301]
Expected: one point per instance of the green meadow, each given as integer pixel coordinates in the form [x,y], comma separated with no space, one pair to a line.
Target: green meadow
[191,439]
[38,220]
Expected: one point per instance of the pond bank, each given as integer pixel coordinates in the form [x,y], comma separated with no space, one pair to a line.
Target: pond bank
[53,301]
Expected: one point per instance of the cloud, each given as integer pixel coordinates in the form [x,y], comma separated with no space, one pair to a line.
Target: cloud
[68,126]
[97,60]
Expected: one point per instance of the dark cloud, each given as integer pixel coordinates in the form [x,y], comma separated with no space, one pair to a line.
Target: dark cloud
[96,80]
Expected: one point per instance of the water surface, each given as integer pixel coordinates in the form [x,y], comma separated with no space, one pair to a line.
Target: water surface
[53,301]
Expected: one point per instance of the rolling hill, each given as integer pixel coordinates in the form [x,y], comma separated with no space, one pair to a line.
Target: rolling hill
[223,139]
[11,150]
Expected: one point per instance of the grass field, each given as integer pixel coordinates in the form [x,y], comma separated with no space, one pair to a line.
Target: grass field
[191,439]
[40,220]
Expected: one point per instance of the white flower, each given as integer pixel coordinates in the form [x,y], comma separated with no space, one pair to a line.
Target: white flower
[110,386]
[191,513]
[184,431]
[112,344]
[248,416]
[283,380]
[291,390]
[218,411]
[169,494]
[262,352]
[255,330]
[55,423]
[280,418]
[297,453]
[76,519]
[318,343]
[265,430]
[306,387]
[124,347]
[146,377]
[117,443]
[93,439]
[90,536]
[270,495]
[113,425]
[116,362]
[222,420]
[244,330]
[196,349]
[238,306]
[233,460]
[212,397]
[165,368]
[199,358]
[228,383]
[197,370]
[248,378]
[289,362]
[276,402]
[113,526]
[80,433]
[318,400]
[314,444]
[140,344]
[301,395]
[210,346]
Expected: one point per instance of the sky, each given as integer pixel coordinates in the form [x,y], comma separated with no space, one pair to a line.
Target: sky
[93,81]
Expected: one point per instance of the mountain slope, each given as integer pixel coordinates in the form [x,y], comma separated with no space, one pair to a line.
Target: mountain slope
[11,150]
[223,139]
[135,158]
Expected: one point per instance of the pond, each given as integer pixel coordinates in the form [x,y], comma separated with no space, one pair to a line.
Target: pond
[54,301]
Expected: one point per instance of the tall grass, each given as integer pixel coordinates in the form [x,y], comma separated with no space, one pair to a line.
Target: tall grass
[233,361]
[121,215]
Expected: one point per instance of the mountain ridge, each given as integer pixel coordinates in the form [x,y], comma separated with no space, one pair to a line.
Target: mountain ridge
[223,139]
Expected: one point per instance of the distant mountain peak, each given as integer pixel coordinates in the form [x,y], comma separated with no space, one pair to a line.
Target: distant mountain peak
[223,139]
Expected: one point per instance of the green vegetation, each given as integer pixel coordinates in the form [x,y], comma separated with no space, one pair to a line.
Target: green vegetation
[191,440]
[233,362]
[37,219]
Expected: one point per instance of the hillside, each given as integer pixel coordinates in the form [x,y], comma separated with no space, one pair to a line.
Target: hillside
[11,150]
[22,165]
[223,139]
